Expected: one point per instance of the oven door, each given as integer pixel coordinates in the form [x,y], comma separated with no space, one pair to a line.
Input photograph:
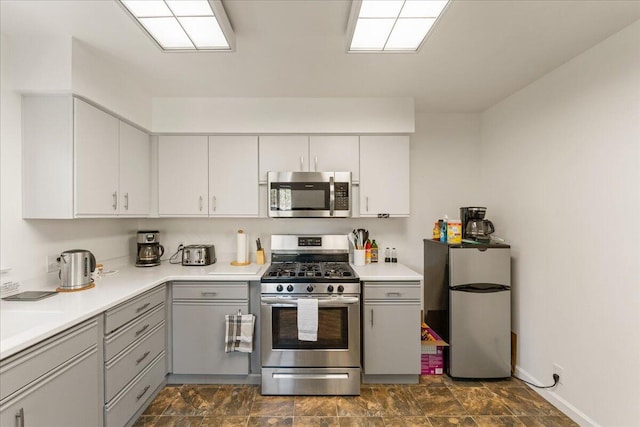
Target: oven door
[338,343]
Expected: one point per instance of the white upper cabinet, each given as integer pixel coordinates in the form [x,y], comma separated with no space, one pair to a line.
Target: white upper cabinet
[384,176]
[183,179]
[233,176]
[135,154]
[77,161]
[335,154]
[288,153]
[96,161]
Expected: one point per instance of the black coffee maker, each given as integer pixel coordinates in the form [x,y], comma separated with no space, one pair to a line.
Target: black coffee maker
[149,249]
[474,226]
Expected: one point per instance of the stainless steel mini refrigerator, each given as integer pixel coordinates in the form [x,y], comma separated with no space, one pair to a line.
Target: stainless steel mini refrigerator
[480,311]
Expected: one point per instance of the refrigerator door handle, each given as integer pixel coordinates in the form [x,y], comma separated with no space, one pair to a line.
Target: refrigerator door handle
[480,287]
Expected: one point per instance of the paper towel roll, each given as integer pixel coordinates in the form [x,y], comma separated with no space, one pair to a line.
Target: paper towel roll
[241,247]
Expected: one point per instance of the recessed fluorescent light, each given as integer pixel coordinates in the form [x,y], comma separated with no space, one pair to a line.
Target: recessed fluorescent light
[392,25]
[184,25]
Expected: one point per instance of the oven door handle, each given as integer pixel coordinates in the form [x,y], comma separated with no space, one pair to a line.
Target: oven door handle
[321,302]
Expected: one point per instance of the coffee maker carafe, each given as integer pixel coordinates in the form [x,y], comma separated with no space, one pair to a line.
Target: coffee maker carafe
[149,249]
[474,226]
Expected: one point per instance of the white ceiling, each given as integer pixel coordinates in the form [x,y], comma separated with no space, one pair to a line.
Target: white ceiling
[480,52]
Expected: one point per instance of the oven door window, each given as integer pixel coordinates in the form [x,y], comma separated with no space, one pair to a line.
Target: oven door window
[333,329]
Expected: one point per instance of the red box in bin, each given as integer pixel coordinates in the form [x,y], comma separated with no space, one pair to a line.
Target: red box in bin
[432,358]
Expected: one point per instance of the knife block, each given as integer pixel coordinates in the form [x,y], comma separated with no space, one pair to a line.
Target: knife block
[260,259]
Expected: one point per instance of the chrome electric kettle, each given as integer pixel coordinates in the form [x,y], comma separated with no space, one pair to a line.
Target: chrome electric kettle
[76,266]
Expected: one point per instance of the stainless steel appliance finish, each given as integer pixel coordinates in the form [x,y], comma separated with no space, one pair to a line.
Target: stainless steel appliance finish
[76,266]
[309,194]
[149,249]
[198,255]
[480,312]
[310,267]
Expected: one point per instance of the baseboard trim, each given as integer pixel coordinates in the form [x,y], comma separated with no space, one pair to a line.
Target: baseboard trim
[556,400]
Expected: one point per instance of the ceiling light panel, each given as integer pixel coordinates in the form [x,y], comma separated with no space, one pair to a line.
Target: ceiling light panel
[392,25]
[184,25]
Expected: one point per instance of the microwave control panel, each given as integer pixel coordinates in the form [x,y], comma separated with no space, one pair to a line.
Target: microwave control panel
[342,196]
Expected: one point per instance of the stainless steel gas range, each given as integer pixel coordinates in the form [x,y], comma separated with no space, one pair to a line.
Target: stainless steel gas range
[303,268]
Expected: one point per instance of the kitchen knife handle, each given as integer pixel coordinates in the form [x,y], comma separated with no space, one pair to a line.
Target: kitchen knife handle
[115,200]
[20,417]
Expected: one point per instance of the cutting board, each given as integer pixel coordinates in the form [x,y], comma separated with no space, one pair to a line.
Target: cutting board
[226,268]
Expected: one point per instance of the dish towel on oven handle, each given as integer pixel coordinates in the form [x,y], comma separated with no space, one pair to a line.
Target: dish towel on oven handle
[308,319]
[239,332]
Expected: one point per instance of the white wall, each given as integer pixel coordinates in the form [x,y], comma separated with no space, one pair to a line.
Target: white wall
[41,65]
[561,165]
[24,244]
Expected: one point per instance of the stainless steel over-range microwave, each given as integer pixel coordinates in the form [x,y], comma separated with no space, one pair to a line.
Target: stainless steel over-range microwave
[309,194]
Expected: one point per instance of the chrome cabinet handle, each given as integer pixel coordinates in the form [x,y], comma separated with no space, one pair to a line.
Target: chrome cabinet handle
[139,309]
[393,294]
[372,317]
[141,330]
[367,199]
[204,294]
[301,163]
[138,397]
[200,203]
[213,202]
[315,160]
[115,200]
[126,201]
[144,356]
[20,418]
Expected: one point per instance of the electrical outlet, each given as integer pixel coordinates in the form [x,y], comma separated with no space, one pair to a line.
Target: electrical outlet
[52,263]
[559,370]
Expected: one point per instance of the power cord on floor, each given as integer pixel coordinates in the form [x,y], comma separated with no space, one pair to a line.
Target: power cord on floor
[556,379]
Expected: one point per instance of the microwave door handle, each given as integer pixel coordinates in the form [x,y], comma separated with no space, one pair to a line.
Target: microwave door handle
[332,196]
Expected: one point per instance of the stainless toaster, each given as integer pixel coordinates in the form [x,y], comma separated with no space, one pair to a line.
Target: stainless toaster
[198,255]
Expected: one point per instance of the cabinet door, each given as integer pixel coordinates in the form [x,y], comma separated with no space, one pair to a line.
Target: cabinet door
[134,171]
[384,175]
[198,339]
[183,176]
[391,335]
[233,176]
[283,153]
[95,160]
[64,397]
[335,153]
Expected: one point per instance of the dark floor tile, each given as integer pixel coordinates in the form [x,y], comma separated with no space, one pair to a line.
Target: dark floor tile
[547,421]
[274,406]
[433,380]
[406,422]
[222,421]
[365,405]
[162,401]
[437,401]
[315,421]
[191,400]
[480,401]
[234,400]
[270,421]
[505,382]
[448,421]
[523,401]
[497,421]
[145,421]
[178,421]
[361,422]
[454,383]
[315,406]
[397,401]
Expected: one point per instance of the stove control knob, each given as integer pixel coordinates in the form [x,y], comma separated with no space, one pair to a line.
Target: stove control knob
[290,288]
[309,288]
[330,288]
[340,288]
[279,288]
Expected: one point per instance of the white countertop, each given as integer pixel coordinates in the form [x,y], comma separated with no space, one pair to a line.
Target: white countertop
[26,323]
[385,271]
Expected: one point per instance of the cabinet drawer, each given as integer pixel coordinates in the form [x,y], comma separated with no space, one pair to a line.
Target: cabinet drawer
[213,290]
[116,342]
[122,369]
[126,312]
[392,291]
[126,403]
[21,369]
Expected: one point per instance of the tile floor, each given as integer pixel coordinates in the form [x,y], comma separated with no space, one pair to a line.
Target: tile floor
[436,401]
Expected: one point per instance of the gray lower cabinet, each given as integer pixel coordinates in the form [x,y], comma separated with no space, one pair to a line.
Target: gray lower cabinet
[55,383]
[134,355]
[391,331]
[198,329]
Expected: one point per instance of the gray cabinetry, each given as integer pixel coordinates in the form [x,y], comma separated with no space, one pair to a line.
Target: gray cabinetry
[391,332]
[134,355]
[54,383]
[198,330]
